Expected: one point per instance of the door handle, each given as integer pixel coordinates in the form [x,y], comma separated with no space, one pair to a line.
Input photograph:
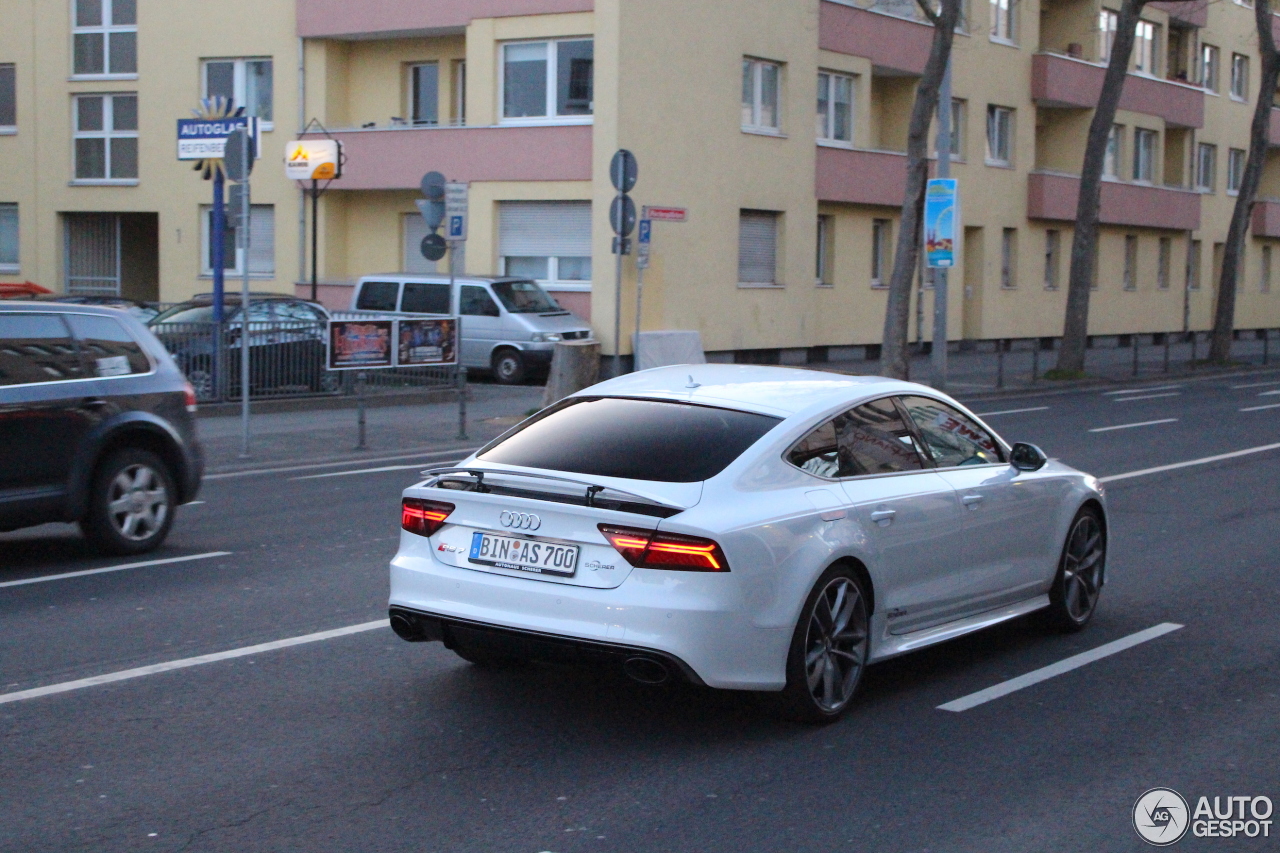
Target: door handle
[885,515]
[972,501]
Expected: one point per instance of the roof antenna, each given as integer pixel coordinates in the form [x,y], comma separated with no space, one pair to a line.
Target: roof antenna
[693,384]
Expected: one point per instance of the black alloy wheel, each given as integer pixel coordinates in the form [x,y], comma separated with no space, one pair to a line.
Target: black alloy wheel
[828,650]
[1073,598]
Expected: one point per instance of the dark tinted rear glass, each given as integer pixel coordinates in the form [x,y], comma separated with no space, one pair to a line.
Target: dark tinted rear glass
[36,348]
[422,298]
[107,346]
[635,439]
[378,296]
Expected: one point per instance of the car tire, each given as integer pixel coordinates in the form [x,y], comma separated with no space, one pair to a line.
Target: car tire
[131,503]
[509,367]
[828,651]
[1073,598]
[202,382]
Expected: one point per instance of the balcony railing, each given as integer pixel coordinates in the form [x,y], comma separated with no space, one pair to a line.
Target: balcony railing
[1061,81]
[1054,196]
[856,176]
[399,18]
[886,37]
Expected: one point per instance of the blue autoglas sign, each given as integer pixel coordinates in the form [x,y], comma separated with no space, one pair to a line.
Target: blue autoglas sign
[940,222]
[206,139]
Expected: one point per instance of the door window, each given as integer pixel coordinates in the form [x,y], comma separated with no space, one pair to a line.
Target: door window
[107,347]
[871,439]
[476,302]
[378,296]
[422,298]
[36,348]
[952,438]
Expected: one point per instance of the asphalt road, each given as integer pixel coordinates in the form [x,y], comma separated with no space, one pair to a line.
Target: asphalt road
[361,742]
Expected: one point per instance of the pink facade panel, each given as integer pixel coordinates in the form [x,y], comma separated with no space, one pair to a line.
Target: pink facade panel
[888,41]
[1193,12]
[339,18]
[397,159]
[1059,81]
[1266,218]
[861,177]
[1055,197]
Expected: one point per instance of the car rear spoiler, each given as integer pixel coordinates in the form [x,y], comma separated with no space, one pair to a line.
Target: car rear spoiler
[592,488]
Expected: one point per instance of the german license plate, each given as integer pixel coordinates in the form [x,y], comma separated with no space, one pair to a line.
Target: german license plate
[525,555]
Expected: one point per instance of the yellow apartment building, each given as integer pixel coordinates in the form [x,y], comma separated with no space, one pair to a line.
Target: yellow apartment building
[779,125]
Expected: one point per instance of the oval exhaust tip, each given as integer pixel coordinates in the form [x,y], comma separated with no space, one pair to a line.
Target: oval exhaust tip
[646,670]
[405,628]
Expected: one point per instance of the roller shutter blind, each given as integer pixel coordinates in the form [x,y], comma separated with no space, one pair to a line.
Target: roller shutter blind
[757,247]
[544,229]
[262,240]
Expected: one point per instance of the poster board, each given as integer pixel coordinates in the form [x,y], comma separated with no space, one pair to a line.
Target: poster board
[379,343]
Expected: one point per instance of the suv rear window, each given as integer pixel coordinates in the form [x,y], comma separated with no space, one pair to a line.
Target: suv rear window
[36,348]
[634,439]
[107,347]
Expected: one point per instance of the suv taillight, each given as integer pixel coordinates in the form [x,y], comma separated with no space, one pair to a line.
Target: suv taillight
[423,517]
[646,549]
[190,393]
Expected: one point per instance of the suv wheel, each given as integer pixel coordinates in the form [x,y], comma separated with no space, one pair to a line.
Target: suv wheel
[509,367]
[131,503]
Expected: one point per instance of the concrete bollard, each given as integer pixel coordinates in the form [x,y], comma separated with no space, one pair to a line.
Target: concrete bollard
[574,365]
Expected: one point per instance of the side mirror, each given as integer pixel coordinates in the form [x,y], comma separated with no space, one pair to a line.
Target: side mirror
[1027,457]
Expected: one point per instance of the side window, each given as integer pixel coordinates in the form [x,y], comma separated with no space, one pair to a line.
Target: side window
[36,348]
[817,453]
[476,302]
[952,438]
[425,298]
[107,347]
[378,296]
[871,439]
[298,312]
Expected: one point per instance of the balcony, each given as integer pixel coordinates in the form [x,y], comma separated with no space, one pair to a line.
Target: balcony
[1054,196]
[1266,218]
[343,19]
[890,42]
[1060,81]
[1194,13]
[861,177]
[396,158]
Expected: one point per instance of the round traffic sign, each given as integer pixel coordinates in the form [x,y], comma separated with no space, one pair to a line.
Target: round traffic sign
[433,246]
[622,215]
[433,186]
[623,171]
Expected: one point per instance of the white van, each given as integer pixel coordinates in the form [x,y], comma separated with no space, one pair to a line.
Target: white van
[509,325]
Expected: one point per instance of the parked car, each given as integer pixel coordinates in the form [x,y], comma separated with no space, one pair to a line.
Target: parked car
[286,342]
[510,326]
[144,312]
[746,528]
[97,425]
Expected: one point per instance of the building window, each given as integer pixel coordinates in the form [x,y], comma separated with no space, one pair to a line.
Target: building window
[1144,155]
[547,241]
[1193,265]
[8,237]
[1209,67]
[1130,262]
[1163,261]
[825,251]
[460,92]
[1111,158]
[881,251]
[757,247]
[262,243]
[835,107]
[1239,76]
[1144,47]
[1052,255]
[424,93]
[1264,281]
[999,136]
[957,128]
[245,82]
[1206,166]
[760,82]
[105,38]
[8,98]
[1009,258]
[1235,169]
[106,138]
[1107,21]
[548,79]
[1002,20]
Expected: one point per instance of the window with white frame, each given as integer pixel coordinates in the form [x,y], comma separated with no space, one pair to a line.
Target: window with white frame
[8,237]
[246,82]
[825,251]
[881,251]
[1164,260]
[1052,258]
[1235,169]
[1130,262]
[958,124]
[104,38]
[1107,21]
[1239,76]
[1144,47]
[548,80]
[999,136]
[460,91]
[1009,258]
[757,247]
[547,241]
[1144,155]
[835,107]
[1206,166]
[424,93]
[1264,281]
[1209,67]
[1003,20]
[760,95]
[106,138]
[262,243]
[8,97]
[1111,157]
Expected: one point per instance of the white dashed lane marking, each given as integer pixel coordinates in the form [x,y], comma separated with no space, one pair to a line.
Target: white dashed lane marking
[121,568]
[1012,411]
[1131,426]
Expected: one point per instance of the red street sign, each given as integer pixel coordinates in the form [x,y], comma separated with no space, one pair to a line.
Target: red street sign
[667,214]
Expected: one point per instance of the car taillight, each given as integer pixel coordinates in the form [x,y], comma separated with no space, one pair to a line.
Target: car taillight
[646,549]
[190,394]
[423,517]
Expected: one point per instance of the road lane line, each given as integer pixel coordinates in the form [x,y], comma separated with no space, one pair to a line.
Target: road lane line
[1011,411]
[1260,408]
[1249,451]
[1131,426]
[184,663]
[1140,390]
[1270,393]
[1254,385]
[430,454]
[126,566]
[358,471]
[1146,397]
[1004,688]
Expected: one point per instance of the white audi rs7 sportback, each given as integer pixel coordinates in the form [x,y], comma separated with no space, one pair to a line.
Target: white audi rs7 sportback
[746,528]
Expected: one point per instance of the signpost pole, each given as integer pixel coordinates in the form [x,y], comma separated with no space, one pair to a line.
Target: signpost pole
[939,354]
[617,300]
[315,234]
[644,239]
[242,241]
[217,250]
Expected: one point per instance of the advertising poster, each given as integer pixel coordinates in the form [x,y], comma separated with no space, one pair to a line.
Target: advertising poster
[356,344]
[940,222]
[428,342]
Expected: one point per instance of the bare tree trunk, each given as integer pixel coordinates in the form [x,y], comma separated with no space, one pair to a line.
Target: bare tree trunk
[1224,316]
[1084,244]
[897,316]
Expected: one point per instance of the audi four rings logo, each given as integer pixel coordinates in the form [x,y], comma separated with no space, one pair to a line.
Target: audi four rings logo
[519,520]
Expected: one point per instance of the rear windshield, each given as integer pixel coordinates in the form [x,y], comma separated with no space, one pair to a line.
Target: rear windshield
[192,314]
[634,439]
[525,297]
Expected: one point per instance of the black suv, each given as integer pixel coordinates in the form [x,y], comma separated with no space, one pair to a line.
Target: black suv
[97,425]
